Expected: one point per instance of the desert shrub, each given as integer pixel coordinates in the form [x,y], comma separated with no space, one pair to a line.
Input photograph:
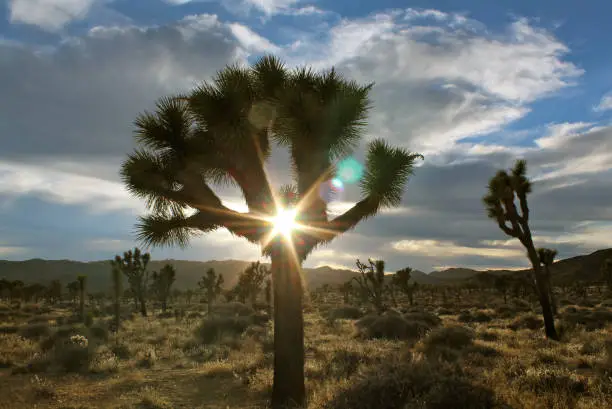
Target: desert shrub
[521,305]
[9,329]
[73,354]
[488,336]
[527,321]
[606,303]
[545,379]
[194,315]
[233,309]
[259,318]
[409,384]
[35,331]
[88,320]
[478,316]
[344,363]
[41,318]
[591,319]
[146,358]
[347,312]
[121,351]
[444,311]
[167,314]
[214,328]
[454,337]
[390,326]
[99,331]
[427,317]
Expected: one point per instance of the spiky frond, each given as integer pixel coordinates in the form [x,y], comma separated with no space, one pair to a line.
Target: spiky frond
[159,230]
[167,128]
[546,256]
[387,171]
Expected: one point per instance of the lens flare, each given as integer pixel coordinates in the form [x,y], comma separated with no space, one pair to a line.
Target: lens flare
[349,170]
[284,222]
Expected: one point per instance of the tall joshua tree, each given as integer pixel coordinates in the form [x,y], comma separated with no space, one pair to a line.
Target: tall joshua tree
[117,280]
[222,132]
[547,258]
[134,266]
[504,189]
[82,280]
[211,283]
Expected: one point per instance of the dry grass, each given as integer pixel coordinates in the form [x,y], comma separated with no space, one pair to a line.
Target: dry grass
[467,357]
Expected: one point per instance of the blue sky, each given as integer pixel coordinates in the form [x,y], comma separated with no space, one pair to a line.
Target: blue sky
[472,84]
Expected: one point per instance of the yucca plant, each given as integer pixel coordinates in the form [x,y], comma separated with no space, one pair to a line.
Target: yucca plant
[547,258]
[504,189]
[211,283]
[222,132]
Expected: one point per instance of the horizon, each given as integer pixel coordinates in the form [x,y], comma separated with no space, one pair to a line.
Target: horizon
[472,87]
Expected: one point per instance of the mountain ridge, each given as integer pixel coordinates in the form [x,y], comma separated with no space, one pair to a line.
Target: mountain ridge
[583,267]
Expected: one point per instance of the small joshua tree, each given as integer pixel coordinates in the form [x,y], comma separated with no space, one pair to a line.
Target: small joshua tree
[346,289]
[134,266]
[73,290]
[503,190]
[401,279]
[372,282]
[211,283]
[117,280]
[162,283]
[82,280]
[250,282]
[502,284]
[606,272]
[547,258]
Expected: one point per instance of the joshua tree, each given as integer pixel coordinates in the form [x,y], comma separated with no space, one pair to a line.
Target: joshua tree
[161,284]
[73,290]
[606,272]
[211,283]
[547,258]
[502,284]
[504,188]
[346,289]
[223,132]
[268,295]
[372,282]
[401,279]
[134,266]
[117,280]
[250,282]
[82,280]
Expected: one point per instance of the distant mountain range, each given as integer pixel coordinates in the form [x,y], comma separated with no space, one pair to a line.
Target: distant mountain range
[585,268]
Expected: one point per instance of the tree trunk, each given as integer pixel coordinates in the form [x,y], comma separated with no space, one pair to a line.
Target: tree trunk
[288,388]
[82,306]
[143,306]
[117,314]
[543,294]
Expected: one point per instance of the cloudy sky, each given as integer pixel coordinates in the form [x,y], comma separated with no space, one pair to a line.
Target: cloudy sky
[472,85]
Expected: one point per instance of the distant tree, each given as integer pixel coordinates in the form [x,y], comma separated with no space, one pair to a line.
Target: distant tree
[82,281]
[33,292]
[161,284]
[117,283]
[189,293]
[606,272]
[346,289]
[16,289]
[134,266]
[372,282]
[73,290]
[54,292]
[401,280]
[502,284]
[504,188]
[547,258]
[211,283]
[250,282]
[268,295]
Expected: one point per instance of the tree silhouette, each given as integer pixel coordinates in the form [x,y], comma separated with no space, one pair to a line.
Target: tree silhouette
[504,189]
[161,283]
[222,132]
[211,283]
[372,282]
[134,266]
[606,272]
[401,279]
[117,282]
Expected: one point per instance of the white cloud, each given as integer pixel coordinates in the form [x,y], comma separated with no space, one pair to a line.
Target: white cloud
[605,104]
[53,15]
[448,249]
[251,40]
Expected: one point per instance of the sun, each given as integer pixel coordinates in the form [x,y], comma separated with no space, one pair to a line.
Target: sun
[284,222]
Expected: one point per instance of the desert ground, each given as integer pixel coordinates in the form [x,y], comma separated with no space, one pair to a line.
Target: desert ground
[468,349]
